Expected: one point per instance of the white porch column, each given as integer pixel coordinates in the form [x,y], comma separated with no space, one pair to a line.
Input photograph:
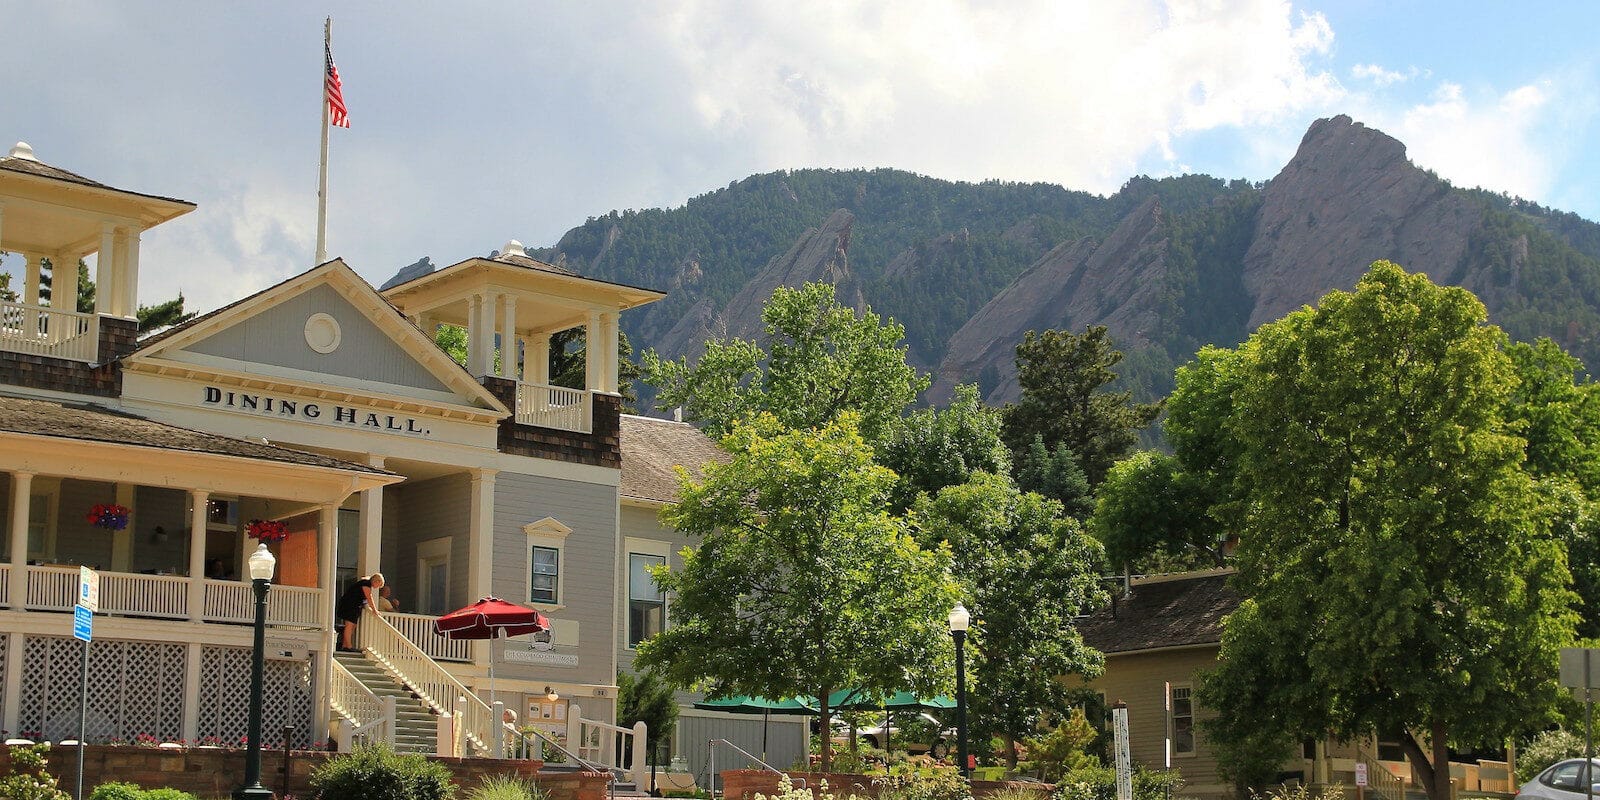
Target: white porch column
[610,333]
[593,357]
[104,288]
[21,496]
[537,360]
[327,562]
[191,689]
[198,498]
[508,336]
[476,334]
[31,269]
[369,555]
[480,545]
[119,276]
[130,271]
[11,719]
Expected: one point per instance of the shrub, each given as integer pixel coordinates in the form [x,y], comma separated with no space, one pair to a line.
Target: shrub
[1298,792]
[1062,750]
[166,794]
[27,779]
[1018,793]
[506,787]
[1100,783]
[116,790]
[378,773]
[939,784]
[1547,748]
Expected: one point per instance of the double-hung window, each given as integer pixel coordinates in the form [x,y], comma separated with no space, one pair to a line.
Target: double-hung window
[647,604]
[1182,721]
[547,541]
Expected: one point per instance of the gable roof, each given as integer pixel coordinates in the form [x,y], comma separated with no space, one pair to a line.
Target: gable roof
[29,165]
[361,295]
[1169,611]
[652,447]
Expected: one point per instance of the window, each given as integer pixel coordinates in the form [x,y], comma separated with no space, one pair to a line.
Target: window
[546,539]
[647,605]
[546,574]
[1182,721]
[433,576]
[1565,776]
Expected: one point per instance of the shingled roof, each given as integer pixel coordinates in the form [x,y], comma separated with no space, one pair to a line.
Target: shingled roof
[28,165]
[652,447]
[1170,611]
[99,424]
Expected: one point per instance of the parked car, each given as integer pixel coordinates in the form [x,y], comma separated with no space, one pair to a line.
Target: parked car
[1564,780]
[874,737]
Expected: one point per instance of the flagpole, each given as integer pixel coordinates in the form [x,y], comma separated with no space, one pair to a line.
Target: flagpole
[322,176]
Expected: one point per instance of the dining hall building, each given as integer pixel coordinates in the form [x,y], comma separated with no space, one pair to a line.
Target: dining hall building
[324,404]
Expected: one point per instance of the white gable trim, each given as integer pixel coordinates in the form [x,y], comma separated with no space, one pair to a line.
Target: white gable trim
[363,297]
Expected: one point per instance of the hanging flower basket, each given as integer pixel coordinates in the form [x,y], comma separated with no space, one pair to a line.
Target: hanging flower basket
[267,530]
[110,516]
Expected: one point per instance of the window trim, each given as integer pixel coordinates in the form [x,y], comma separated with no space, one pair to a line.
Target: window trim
[628,633]
[635,546]
[1194,739]
[548,533]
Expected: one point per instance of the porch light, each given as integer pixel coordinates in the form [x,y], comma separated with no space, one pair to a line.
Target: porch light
[960,618]
[550,694]
[262,563]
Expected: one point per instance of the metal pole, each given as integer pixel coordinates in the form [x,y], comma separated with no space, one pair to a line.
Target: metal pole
[252,788]
[1588,727]
[288,735]
[322,169]
[961,705]
[83,714]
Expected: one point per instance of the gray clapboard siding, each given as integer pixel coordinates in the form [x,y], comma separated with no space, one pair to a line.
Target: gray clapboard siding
[786,742]
[643,523]
[428,510]
[588,571]
[277,336]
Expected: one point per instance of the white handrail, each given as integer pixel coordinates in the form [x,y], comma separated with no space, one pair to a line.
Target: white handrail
[46,331]
[596,741]
[371,717]
[419,629]
[555,407]
[433,685]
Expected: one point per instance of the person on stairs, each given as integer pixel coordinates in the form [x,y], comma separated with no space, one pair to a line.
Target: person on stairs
[361,595]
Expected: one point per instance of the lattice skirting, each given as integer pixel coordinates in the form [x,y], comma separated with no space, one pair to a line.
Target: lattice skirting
[225,697]
[134,688]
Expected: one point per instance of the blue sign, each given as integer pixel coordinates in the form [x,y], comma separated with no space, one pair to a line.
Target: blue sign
[82,623]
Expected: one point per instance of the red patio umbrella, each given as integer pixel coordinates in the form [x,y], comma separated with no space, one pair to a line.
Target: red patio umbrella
[490,618]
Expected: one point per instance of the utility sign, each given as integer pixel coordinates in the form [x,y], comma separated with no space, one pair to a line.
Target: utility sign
[89,589]
[1361,774]
[1119,725]
[82,623]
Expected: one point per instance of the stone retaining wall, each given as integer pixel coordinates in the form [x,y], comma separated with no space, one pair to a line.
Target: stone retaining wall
[208,773]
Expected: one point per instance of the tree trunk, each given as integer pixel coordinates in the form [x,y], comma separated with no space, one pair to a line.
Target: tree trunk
[1011,751]
[1434,771]
[825,716]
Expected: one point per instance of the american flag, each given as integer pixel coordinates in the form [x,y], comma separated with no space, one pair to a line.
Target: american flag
[338,115]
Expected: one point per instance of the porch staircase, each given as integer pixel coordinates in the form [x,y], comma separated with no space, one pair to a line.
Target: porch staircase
[415,727]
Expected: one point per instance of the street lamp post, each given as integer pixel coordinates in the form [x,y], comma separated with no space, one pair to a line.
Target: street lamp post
[959,620]
[261,566]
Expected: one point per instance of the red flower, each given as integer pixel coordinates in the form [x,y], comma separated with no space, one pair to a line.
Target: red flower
[267,530]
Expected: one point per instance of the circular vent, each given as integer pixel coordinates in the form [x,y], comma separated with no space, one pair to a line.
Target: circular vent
[322,333]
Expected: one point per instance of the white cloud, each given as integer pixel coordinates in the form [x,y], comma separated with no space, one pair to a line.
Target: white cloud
[1382,77]
[1498,140]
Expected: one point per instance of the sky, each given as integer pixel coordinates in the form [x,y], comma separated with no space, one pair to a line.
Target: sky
[473,122]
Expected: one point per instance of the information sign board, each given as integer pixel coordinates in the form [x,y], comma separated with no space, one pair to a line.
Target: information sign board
[1119,722]
[82,623]
[89,589]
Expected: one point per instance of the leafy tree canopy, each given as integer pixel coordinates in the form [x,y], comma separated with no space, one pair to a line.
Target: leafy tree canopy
[1391,532]
[1027,572]
[821,359]
[645,697]
[1149,505]
[803,582]
[1065,402]
[931,449]
[1055,474]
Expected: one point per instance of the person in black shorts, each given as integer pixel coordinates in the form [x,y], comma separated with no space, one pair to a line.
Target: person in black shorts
[360,595]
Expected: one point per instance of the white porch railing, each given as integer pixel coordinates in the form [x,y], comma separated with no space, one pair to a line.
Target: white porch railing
[555,407]
[167,597]
[597,743]
[287,606]
[368,717]
[5,584]
[472,718]
[419,629]
[45,331]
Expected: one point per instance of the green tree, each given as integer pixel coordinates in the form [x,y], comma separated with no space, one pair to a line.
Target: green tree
[1149,506]
[644,697]
[162,315]
[1392,533]
[931,449]
[1027,573]
[821,359]
[803,583]
[1055,473]
[1065,402]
